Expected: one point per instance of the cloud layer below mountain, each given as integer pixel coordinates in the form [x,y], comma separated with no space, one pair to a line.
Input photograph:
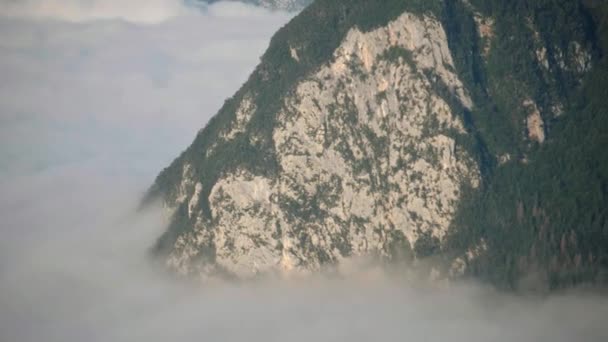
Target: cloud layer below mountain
[96,97]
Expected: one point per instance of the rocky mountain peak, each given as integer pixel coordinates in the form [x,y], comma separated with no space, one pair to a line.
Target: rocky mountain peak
[385,129]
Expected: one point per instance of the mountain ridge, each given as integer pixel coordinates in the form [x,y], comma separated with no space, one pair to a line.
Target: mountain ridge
[501,111]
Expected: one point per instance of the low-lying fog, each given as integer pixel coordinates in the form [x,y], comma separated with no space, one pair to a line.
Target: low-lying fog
[96,97]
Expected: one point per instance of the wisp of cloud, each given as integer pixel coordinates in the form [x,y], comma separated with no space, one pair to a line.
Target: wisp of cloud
[137,11]
[98,96]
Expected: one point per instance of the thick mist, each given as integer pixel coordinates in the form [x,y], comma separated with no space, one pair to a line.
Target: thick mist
[96,98]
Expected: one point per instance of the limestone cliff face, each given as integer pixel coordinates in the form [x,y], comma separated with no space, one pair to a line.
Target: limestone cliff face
[368,152]
[367,155]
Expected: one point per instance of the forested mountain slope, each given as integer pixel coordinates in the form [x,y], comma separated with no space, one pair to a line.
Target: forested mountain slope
[470,133]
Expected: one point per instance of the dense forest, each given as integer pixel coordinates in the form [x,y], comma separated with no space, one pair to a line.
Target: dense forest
[547,214]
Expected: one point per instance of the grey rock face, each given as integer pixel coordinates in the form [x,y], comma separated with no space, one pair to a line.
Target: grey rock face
[367,155]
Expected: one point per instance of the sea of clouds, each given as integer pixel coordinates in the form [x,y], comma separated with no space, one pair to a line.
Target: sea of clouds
[96,97]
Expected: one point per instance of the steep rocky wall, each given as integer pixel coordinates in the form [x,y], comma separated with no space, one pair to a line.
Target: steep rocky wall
[400,130]
[367,155]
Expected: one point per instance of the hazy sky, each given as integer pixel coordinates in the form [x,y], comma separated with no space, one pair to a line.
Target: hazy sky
[96,98]
[80,84]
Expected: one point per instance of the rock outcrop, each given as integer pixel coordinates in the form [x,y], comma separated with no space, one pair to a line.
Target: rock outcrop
[366,150]
[366,141]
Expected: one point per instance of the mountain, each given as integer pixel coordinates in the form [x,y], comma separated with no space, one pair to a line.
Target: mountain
[284,5]
[468,133]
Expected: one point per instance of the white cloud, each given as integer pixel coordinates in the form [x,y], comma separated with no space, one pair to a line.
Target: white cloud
[138,11]
[132,11]
[236,8]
